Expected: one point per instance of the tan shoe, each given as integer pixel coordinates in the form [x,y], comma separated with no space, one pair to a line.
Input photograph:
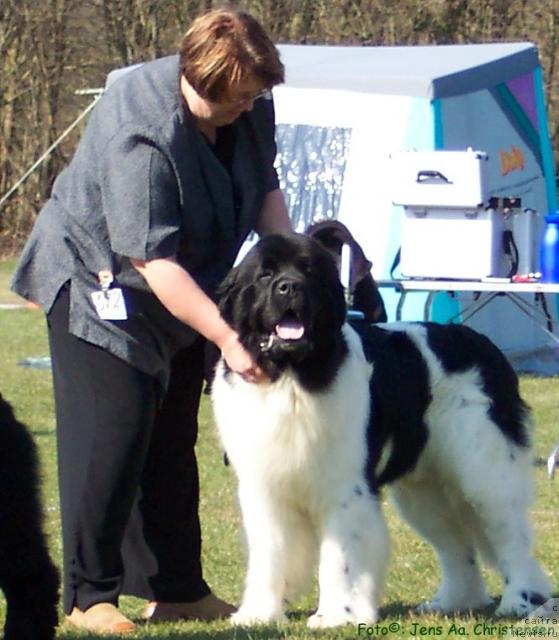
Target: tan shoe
[101,618]
[208,608]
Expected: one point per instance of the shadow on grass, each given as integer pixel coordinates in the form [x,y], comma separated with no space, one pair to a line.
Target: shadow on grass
[411,611]
[157,632]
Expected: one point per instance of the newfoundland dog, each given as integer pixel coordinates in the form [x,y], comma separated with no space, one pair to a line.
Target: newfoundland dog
[28,577]
[433,412]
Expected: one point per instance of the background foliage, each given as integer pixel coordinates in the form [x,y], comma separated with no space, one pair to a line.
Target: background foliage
[52,48]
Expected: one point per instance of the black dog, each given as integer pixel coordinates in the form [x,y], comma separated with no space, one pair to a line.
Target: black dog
[28,577]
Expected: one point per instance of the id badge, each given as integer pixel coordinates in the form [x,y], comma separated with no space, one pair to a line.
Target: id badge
[110,304]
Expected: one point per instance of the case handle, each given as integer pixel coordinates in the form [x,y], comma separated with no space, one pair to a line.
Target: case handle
[432,176]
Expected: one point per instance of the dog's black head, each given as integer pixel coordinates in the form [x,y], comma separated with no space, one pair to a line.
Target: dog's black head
[286,302]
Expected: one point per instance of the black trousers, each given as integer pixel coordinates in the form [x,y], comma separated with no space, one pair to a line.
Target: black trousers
[128,475]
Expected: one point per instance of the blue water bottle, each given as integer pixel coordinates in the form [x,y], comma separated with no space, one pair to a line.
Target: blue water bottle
[549,249]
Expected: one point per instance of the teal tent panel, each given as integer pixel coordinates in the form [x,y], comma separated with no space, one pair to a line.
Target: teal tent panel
[446,308]
[545,141]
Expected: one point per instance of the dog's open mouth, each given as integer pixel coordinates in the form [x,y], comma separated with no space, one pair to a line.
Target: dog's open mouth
[290,327]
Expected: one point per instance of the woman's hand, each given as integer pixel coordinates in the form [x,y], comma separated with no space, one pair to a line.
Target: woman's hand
[240,361]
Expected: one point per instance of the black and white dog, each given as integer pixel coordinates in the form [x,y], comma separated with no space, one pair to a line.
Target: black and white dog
[28,576]
[431,411]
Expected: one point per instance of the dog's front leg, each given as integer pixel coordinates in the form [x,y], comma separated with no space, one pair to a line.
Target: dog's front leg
[353,559]
[265,581]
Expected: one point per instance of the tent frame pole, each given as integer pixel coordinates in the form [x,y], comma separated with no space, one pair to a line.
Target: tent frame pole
[47,153]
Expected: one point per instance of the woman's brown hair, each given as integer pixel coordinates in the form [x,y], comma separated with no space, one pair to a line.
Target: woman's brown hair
[224,47]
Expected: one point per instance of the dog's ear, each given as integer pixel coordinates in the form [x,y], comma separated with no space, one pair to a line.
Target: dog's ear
[225,291]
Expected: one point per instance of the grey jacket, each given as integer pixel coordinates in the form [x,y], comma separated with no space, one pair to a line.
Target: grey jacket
[145,184]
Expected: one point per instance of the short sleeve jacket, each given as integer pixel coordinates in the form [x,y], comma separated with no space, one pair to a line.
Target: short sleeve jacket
[145,184]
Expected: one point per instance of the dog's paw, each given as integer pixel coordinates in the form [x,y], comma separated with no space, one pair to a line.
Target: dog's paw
[339,618]
[326,621]
[248,617]
[520,604]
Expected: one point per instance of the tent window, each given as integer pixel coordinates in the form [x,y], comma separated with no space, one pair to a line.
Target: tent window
[311,163]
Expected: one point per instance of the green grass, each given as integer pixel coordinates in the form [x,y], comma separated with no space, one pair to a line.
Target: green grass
[413,571]
[6,296]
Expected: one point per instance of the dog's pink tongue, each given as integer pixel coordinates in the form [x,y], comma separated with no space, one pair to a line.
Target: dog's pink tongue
[290,330]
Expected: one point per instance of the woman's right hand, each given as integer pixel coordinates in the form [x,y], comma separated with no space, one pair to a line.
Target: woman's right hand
[240,360]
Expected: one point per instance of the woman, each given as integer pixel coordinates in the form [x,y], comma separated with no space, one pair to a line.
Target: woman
[175,168]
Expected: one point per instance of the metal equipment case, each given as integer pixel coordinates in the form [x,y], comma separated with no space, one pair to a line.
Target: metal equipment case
[448,229]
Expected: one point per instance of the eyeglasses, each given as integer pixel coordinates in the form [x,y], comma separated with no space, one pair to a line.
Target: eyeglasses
[264,93]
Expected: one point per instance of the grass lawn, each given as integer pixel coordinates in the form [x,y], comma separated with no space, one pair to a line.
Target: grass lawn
[6,296]
[413,574]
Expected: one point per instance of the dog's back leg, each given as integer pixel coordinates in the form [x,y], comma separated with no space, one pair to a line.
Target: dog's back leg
[526,585]
[503,516]
[490,479]
[424,506]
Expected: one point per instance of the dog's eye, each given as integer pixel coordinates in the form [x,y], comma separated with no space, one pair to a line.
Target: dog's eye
[305,268]
[267,269]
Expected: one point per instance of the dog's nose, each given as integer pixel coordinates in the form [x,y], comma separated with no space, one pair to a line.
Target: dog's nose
[287,287]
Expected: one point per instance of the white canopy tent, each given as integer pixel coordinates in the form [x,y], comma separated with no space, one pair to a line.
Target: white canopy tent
[344,110]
